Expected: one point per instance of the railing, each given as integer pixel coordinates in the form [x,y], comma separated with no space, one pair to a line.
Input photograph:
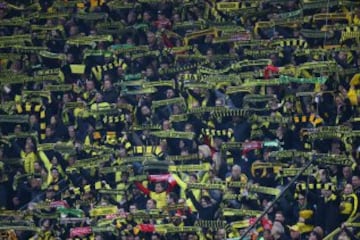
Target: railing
[40,195]
[331,235]
[276,200]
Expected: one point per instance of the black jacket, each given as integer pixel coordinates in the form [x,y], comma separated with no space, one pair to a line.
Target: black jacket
[327,214]
[205,213]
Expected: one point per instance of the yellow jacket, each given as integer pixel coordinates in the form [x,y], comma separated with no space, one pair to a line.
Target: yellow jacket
[29,160]
[349,204]
[183,186]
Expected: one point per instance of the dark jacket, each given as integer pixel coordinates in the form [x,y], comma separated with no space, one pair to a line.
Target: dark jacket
[327,214]
[205,213]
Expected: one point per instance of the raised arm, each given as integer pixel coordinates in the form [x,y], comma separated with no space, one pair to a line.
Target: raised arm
[179,181]
[142,188]
[197,205]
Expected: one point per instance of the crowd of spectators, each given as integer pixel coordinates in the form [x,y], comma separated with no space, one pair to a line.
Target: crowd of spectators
[94,157]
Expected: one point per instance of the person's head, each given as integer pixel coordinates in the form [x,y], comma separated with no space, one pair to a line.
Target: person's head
[55,173]
[120,71]
[33,119]
[98,97]
[49,131]
[301,199]
[208,39]
[181,201]
[280,132]
[204,151]
[71,131]
[279,216]
[155,236]
[267,234]
[342,56]
[161,16]
[323,173]
[35,183]
[335,147]
[315,236]
[171,198]
[347,172]
[219,102]
[146,16]
[159,187]
[343,236]
[236,171]
[319,231]
[99,237]
[90,85]
[295,233]
[17,129]
[54,120]
[71,160]
[166,125]
[277,230]
[30,140]
[107,84]
[339,100]
[151,38]
[149,71]
[145,110]
[189,127]
[326,193]
[124,176]
[29,147]
[132,208]
[164,65]
[70,58]
[212,173]
[130,40]
[205,201]
[355,181]
[150,204]
[130,237]
[176,18]
[73,30]
[92,32]
[16,201]
[54,161]
[218,141]
[46,224]
[192,236]
[66,98]
[193,178]
[37,166]
[50,193]
[176,109]
[274,59]
[348,189]
[131,18]
[220,234]
[170,93]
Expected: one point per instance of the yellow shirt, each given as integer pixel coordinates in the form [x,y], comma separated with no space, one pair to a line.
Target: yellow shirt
[183,186]
[160,199]
[29,160]
[243,178]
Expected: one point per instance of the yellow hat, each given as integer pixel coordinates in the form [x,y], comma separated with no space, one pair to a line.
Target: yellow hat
[295,228]
[306,214]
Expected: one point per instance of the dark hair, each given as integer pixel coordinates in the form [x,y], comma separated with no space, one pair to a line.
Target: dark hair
[206,198]
[317,235]
[194,176]
[173,196]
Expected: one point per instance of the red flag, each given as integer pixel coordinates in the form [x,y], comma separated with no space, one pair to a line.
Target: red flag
[80,231]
